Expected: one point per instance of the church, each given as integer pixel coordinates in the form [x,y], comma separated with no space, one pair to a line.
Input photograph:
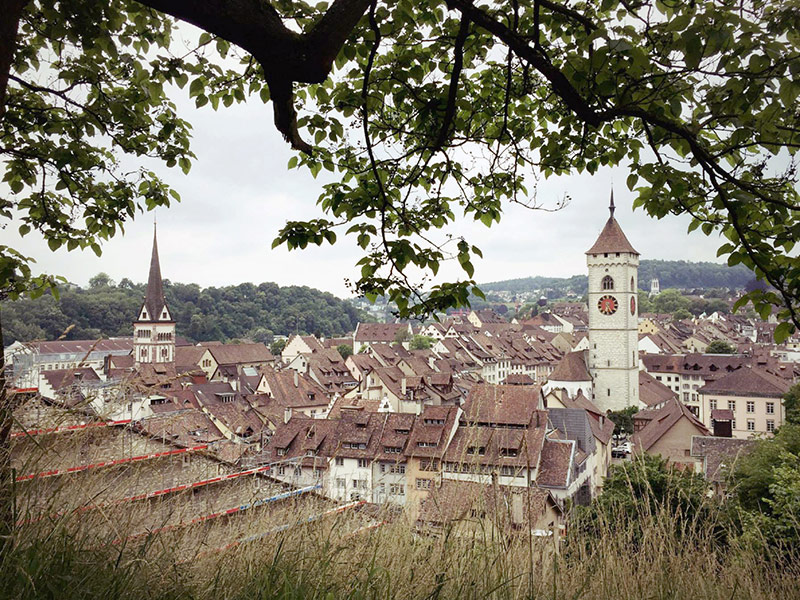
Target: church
[154,328]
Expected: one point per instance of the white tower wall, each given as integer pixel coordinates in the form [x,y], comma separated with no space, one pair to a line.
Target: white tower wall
[614,338]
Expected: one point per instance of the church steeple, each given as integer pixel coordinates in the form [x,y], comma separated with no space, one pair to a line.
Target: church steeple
[154,301]
[154,329]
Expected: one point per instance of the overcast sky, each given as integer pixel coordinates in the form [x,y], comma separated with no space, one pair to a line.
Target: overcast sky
[239,193]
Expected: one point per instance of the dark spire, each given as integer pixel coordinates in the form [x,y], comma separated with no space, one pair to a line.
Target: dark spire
[154,298]
[611,206]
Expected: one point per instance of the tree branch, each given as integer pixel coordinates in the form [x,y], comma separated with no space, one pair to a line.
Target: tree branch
[284,55]
[452,93]
[11,11]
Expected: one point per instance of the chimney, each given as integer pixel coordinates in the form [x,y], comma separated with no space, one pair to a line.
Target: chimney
[403,386]
[287,414]
[296,379]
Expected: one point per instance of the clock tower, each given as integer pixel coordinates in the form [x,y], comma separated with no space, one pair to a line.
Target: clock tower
[613,317]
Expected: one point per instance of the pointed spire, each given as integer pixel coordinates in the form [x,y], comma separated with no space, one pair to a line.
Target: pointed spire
[611,207]
[154,298]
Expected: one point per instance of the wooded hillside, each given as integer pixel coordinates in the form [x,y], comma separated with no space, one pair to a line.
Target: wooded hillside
[670,273]
[241,311]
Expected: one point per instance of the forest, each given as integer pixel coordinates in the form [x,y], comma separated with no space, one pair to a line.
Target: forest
[670,274]
[245,311]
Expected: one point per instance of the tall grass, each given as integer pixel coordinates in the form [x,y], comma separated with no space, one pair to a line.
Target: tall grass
[71,554]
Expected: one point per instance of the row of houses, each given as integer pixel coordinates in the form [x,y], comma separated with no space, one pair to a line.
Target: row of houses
[503,435]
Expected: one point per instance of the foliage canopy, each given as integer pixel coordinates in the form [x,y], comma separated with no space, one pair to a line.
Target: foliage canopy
[426,111]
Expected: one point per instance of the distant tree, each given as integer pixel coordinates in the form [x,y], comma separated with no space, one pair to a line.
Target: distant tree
[623,419]
[277,346]
[756,284]
[670,301]
[500,309]
[528,310]
[344,350]
[720,347]
[125,284]
[261,335]
[421,342]
[100,280]
[402,336]
[681,314]
[791,402]
[645,304]
[717,305]
[697,306]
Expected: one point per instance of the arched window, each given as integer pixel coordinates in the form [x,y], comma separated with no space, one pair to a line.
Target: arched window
[633,289]
[608,283]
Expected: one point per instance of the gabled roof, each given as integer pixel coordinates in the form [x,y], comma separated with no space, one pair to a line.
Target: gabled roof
[65,377]
[663,420]
[651,391]
[719,454]
[119,345]
[378,332]
[231,354]
[747,382]
[571,368]
[554,470]
[465,500]
[501,405]
[519,448]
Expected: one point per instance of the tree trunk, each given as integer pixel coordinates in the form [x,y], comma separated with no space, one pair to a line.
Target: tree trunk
[11,10]
[6,478]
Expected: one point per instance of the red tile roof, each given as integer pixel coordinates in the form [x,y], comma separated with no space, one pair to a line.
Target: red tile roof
[747,381]
[611,239]
[571,368]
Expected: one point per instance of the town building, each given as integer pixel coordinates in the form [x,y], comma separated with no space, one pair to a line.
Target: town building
[754,397]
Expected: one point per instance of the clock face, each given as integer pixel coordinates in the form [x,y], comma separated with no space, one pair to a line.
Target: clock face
[608,305]
[633,305]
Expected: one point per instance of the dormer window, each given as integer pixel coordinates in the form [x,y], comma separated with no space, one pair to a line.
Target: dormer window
[510,452]
[164,315]
[144,315]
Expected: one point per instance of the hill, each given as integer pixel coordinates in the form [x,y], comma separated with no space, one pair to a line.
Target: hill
[670,273]
[241,311]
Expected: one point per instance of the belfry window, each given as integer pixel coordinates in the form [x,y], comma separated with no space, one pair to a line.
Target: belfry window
[608,283]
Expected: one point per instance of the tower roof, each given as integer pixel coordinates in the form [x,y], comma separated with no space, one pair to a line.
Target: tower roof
[154,297]
[611,239]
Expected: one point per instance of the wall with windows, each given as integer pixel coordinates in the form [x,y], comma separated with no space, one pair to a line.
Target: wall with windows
[752,415]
